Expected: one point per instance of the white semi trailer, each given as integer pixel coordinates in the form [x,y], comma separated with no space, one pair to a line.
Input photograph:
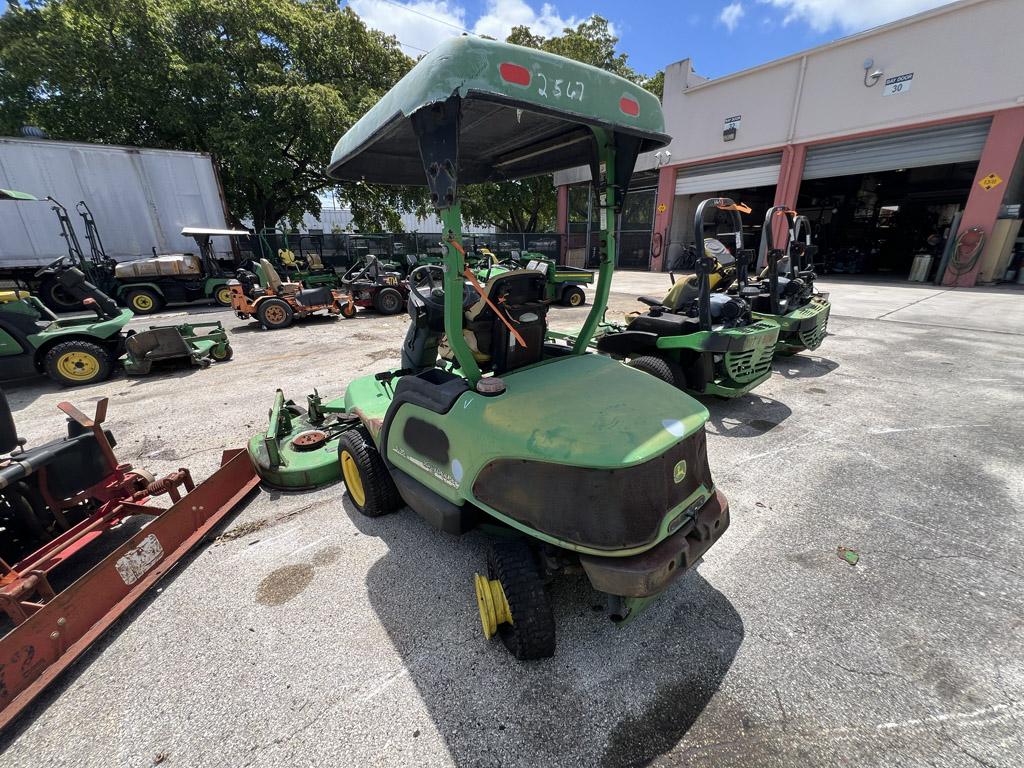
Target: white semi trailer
[141,199]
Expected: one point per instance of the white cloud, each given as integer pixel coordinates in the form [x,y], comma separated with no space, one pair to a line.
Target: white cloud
[731,15]
[850,15]
[502,15]
[422,24]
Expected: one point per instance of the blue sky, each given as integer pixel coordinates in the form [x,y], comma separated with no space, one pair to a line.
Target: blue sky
[720,37]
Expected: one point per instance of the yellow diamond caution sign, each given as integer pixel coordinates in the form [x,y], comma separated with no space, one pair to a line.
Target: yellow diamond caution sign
[991,181]
[662,207]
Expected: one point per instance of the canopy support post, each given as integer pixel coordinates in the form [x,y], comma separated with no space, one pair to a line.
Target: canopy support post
[607,206]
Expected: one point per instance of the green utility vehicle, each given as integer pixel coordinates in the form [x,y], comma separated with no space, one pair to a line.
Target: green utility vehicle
[302,264]
[562,282]
[615,483]
[697,338]
[785,291]
[146,285]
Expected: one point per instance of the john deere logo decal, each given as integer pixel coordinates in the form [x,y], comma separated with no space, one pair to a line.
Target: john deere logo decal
[679,471]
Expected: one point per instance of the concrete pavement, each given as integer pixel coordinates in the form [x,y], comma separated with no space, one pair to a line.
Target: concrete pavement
[309,635]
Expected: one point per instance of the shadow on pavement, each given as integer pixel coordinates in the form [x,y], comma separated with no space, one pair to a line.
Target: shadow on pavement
[804,366]
[611,696]
[747,416]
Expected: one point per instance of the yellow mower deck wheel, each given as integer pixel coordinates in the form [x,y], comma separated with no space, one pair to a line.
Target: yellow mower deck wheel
[490,598]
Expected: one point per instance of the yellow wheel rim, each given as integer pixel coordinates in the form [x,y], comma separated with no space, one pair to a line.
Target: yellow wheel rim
[275,315]
[224,296]
[493,605]
[575,299]
[142,302]
[353,481]
[78,366]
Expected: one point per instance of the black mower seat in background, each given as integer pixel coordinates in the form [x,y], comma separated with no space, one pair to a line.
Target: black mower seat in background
[665,324]
[313,297]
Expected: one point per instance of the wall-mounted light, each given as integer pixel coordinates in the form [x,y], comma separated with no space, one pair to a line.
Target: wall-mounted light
[663,157]
[869,75]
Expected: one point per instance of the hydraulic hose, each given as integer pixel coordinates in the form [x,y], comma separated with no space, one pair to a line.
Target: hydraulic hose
[961,263]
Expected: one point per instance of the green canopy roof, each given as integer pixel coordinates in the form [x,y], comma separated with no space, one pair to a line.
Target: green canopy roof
[523,112]
[11,194]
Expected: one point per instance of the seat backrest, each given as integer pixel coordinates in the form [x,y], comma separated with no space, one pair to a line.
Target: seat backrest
[314,260]
[273,279]
[519,295]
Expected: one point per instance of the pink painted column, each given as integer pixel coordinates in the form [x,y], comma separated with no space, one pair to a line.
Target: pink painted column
[788,187]
[563,219]
[1003,146]
[663,215]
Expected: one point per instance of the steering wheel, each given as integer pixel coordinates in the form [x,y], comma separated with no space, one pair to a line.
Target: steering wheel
[52,265]
[426,283]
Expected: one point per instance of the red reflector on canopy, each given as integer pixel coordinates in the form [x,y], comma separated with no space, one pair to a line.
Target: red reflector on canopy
[514,73]
[629,106]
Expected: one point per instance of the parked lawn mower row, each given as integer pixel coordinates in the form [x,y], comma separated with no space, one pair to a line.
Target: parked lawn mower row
[716,332]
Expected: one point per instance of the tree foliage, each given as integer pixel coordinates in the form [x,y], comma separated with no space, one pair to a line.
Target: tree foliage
[530,205]
[265,86]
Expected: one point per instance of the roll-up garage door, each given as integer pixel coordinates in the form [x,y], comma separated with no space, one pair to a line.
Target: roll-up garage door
[908,149]
[759,171]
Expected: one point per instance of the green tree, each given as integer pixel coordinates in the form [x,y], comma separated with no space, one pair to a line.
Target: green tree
[529,205]
[265,86]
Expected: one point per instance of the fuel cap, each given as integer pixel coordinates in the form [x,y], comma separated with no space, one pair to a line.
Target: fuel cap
[490,386]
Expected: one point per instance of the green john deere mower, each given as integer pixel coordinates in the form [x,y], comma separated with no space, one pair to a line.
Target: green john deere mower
[784,292]
[697,337]
[484,422]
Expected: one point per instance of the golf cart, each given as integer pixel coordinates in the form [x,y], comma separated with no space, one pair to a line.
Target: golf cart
[372,284]
[261,293]
[785,291]
[698,337]
[484,422]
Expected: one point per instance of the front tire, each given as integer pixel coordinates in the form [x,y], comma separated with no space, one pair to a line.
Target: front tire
[274,314]
[574,296]
[143,301]
[531,634]
[348,310]
[658,367]
[389,301]
[222,296]
[367,480]
[76,362]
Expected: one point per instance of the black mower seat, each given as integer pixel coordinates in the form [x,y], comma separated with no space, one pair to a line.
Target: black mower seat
[157,344]
[313,297]
[665,324]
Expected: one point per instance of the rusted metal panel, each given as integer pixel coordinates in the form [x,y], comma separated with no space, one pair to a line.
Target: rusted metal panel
[34,653]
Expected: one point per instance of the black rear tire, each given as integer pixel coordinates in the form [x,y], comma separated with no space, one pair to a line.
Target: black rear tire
[56,297]
[531,635]
[274,314]
[389,301]
[574,296]
[378,494]
[658,367]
